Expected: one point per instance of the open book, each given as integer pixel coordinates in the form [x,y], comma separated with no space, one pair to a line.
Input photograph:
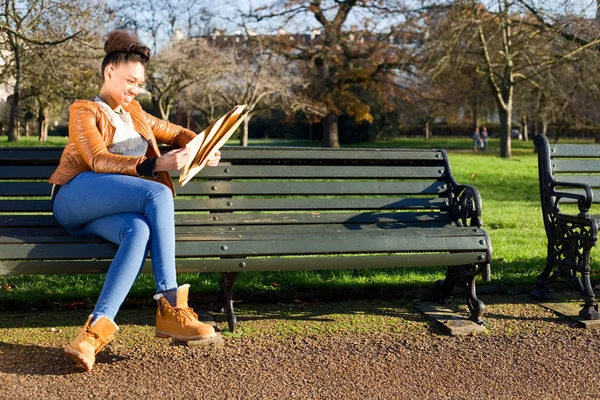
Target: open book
[210,140]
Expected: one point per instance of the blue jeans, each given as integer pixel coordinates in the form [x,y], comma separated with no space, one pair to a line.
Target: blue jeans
[135,213]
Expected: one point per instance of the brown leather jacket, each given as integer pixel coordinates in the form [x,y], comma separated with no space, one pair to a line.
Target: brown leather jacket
[90,134]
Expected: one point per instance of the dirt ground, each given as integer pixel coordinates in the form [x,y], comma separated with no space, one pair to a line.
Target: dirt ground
[342,350]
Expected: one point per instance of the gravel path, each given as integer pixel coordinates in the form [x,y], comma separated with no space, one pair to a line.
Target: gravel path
[350,350]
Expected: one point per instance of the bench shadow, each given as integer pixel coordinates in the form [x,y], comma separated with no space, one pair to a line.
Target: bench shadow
[21,359]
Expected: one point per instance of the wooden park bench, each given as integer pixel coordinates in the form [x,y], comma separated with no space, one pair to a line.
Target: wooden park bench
[266,209]
[569,173]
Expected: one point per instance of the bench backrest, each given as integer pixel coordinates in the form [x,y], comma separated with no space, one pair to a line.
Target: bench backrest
[569,163]
[264,186]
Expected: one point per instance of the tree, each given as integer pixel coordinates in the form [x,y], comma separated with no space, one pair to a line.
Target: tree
[178,67]
[27,26]
[338,61]
[514,51]
[260,79]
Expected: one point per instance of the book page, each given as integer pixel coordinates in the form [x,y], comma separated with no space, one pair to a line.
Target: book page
[213,138]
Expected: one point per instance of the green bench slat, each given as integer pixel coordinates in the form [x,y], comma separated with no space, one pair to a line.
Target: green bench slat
[260,153]
[252,264]
[592,180]
[22,231]
[297,246]
[260,204]
[266,233]
[562,166]
[260,219]
[261,188]
[270,171]
[311,188]
[304,153]
[25,188]
[575,150]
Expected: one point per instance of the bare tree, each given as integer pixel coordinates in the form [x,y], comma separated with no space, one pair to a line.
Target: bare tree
[178,67]
[26,26]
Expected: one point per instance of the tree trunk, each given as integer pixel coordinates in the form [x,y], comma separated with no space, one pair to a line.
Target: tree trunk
[524,128]
[43,123]
[544,126]
[330,131]
[244,135]
[427,130]
[13,128]
[476,111]
[505,126]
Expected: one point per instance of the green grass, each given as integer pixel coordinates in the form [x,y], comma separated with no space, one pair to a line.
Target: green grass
[511,215]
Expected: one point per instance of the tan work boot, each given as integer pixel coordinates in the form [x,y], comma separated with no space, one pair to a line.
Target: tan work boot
[180,322]
[91,339]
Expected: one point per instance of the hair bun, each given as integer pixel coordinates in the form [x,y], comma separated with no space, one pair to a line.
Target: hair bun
[125,41]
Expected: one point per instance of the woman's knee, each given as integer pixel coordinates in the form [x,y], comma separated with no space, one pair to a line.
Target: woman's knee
[137,226]
[160,195]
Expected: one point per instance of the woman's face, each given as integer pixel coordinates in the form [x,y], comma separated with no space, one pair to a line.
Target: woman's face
[123,82]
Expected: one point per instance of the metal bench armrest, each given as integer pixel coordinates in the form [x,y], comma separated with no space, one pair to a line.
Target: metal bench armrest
[465,202]
[584,201]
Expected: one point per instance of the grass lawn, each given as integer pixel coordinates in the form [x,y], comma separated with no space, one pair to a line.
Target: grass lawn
[511,215]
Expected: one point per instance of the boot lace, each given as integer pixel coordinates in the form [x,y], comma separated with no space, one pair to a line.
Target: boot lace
[185,314]
[94,338]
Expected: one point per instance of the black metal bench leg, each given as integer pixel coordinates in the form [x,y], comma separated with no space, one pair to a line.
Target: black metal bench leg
[540,290]
[590,308]
[444,289]
[226,296]
[476,306]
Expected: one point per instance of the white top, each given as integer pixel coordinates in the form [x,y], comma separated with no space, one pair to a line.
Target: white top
[127,141]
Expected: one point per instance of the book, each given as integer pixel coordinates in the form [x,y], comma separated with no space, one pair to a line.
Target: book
[210,140]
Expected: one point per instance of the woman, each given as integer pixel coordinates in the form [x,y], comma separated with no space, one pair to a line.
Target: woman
[113,182]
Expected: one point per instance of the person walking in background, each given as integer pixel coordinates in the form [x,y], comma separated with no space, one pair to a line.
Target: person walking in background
[484,139]
[476,140]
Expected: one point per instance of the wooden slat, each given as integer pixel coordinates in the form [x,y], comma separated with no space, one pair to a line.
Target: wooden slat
[244,229]
[262,188]
[270,171]
[309,204]
[260,218]
[25,188]
[260,204]
[28,155]
[247,248]
[321,172]
[561,166]
[596,194]
[262,233]
[311,188]
[575,150]
[259,153]
[26,172]
[252,264]
[592,180]
[355,154]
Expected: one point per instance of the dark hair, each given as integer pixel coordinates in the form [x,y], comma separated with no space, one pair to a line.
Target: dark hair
[122,47]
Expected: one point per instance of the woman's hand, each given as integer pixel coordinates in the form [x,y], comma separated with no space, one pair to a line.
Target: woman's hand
[172,161]
[213,160]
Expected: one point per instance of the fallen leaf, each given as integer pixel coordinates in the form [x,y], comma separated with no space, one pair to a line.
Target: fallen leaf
[6,287]
[75,305]
[275,284]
